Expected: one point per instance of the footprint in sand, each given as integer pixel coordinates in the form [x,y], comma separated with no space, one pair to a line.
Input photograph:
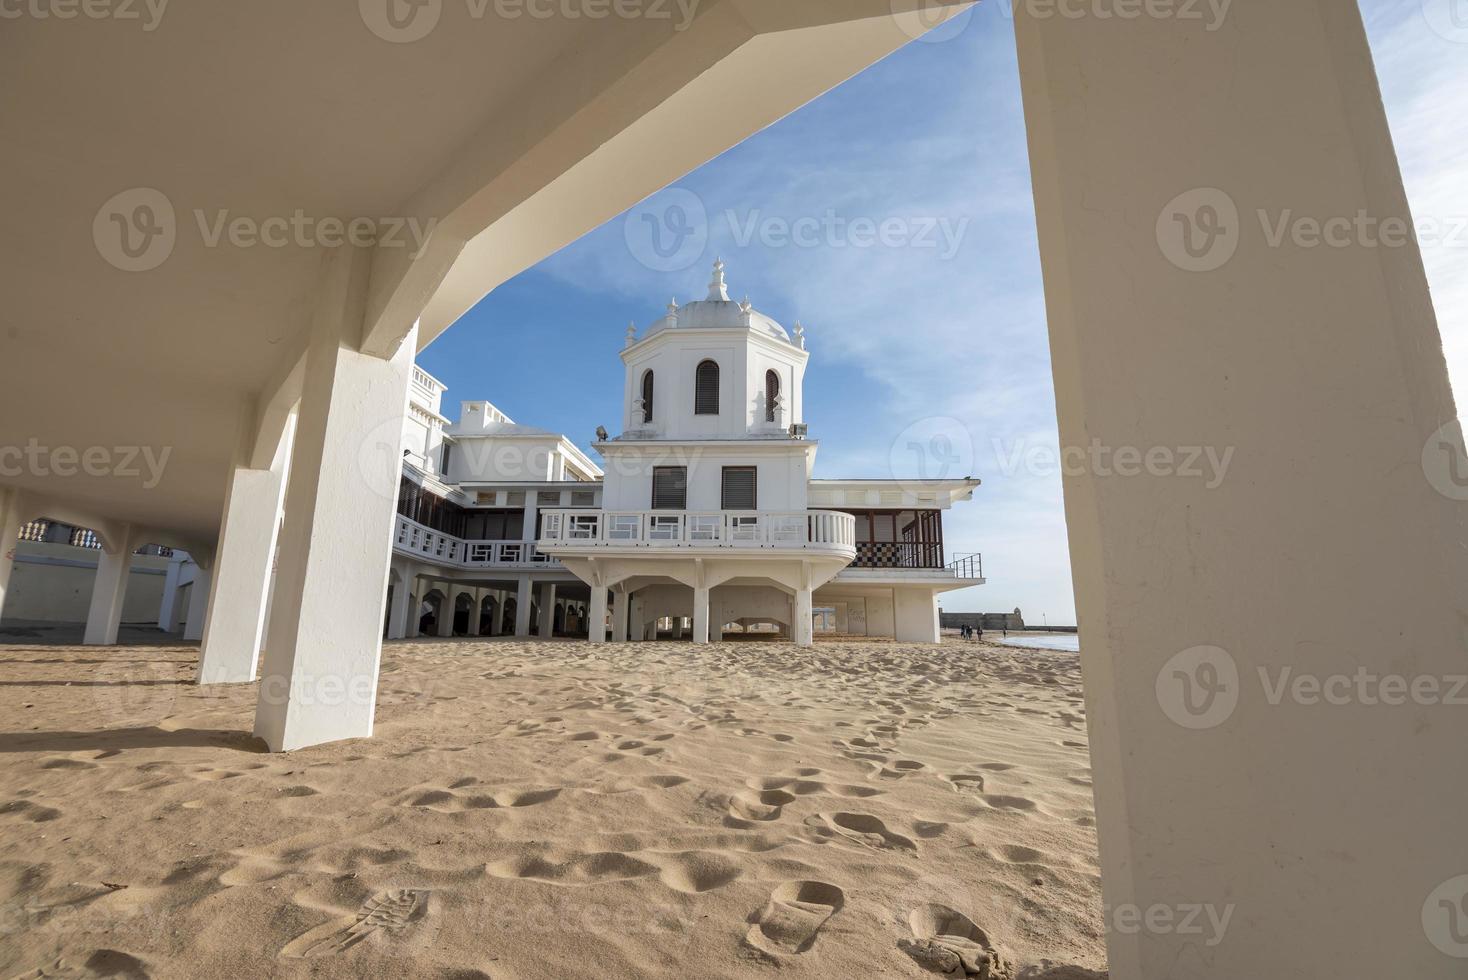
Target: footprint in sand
[445,801]
[793,918]
[948,942]
[390,912]
[900,769]
[766,805]
[63,763]
[102,963]
[33,812]
[966,781]
[868,831]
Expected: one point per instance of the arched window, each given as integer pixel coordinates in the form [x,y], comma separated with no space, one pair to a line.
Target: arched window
[647,396]
[706,389]
[772,394]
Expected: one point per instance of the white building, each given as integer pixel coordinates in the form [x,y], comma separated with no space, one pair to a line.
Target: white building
[465,560]
[707,515]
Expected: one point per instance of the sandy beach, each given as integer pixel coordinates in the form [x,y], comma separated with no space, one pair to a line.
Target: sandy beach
[531,810]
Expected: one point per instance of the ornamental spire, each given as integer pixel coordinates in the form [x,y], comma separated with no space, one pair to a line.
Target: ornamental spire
[717,289]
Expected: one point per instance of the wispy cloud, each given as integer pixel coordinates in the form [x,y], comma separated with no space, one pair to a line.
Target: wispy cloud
[902,333]
[1424,76]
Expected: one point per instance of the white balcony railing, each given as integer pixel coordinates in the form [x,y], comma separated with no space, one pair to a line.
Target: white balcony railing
[812,530]
[416,539]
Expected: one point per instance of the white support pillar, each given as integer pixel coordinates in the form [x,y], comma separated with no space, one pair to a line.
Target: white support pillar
[168,606]
[700,614]
[596,616]
[804,625]
[415,607]
[915,616]
[532,512]
[198,611]
[523,602]
[621,616]
[109,588]
[447,609]
[10,518]
[234,625]
[547,609]
[1319,546]
[397,617]
[637,632]
[319,682]
[496,622]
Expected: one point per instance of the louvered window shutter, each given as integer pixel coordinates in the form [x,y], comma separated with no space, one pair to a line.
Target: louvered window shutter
[670,488]
[706,389]
[739,488]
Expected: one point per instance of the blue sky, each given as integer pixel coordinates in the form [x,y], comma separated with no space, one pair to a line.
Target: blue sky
[928,345]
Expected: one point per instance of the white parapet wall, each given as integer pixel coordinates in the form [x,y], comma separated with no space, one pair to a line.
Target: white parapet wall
[52,583]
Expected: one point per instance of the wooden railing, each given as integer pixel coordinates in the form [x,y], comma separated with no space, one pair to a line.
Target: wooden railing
[821,530]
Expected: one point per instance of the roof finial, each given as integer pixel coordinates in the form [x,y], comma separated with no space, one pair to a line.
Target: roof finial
[799,335]
[717,289]
[631,334]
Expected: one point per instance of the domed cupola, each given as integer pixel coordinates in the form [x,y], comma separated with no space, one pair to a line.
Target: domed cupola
[714,369]
[718,312]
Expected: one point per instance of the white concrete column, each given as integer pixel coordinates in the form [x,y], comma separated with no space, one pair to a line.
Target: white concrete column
[415,607]
[700,614]
[803,613]
[522,606]
[596,616]
[547,609]
[109,588]
[915,616]
[168,605]
[198,611]
[1239,617]
[496,622]
[621,616]
[234,625]
[319,682]
[397,619]
[446,609]
[637,631]
[10,518]
[532,509]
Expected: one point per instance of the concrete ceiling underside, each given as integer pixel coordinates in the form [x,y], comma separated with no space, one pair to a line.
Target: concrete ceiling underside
[509,137]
